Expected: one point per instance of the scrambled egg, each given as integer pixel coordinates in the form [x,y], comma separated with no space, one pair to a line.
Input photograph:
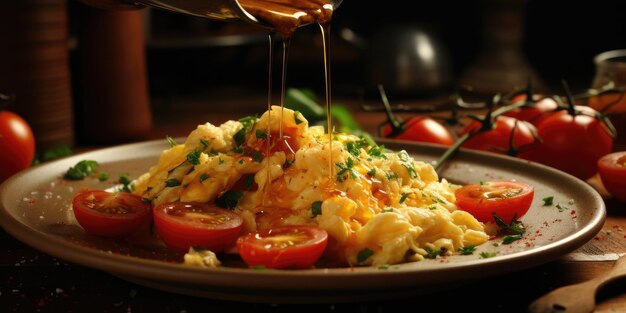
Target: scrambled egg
[378,206]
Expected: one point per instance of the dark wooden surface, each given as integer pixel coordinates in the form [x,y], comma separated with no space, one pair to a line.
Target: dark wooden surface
[31,281]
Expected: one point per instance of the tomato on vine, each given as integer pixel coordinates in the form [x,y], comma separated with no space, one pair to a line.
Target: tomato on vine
[612,170]
[533,107]
[572,140]
[17,143]
[418,128]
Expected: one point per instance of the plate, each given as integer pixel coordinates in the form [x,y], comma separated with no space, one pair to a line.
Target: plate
[35,208]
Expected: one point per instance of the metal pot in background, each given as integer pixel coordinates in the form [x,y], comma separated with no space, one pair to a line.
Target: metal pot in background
[409,60]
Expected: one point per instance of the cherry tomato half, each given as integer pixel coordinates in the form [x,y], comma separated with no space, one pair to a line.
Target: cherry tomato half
[507,199]
[17,144]
[612,170]
[110,214]
[283,247]
[192,224]
[421,129]
[570,143]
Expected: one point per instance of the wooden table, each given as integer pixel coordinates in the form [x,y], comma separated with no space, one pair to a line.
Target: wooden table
[31,281]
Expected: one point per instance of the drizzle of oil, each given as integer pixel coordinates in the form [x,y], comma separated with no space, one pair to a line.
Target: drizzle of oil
[284,17]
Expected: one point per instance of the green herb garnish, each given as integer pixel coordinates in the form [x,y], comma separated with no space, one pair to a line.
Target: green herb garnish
[404,196]
[467,250]
[486,255]
[126,182]
[103,176]
[172,182]
[204,177]
[229,199]
[364,255]
[548,200]
[171,141]
[81,170]
[316,208]
[511,238]
[261,134]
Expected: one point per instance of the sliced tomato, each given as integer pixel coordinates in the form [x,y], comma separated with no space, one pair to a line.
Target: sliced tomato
[507,199]
[612,170]
[192,224]
[283,247]
[110,214]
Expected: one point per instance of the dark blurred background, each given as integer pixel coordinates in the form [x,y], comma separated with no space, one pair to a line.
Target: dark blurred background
[557,39]
[193,67]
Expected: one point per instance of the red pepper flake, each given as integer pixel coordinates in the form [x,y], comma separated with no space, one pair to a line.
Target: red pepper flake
[596,238]
[573,212]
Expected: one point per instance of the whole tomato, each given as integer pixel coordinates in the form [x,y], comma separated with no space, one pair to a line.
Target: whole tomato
[504,136]
[17,144]
[419,128]
[533,111]
[612,170]
[571,140]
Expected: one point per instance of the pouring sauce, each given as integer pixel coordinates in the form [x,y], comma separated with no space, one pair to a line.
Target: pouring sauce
[284,17]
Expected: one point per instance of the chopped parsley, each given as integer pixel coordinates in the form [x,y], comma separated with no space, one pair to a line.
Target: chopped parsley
[548,200]
[194,156]
[229,199]
[316,208]
[103,176]
[407,163]
[392,175]
[372,172]
[511,238]
[561,208]
[248,182]
[364,255]
[204,177]
[126,182]
[295,117]
[387,210]
[261,134]
[404,196]
[172,182]
[353,148]
[81,170]
[467,250]
[434,253]
[515,228]
[256,156]
[171,141]
[240,137]
[344,168]
[378,152]
[486,255]
[287,164]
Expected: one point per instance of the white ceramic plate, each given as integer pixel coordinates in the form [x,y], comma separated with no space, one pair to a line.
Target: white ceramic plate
[35,208]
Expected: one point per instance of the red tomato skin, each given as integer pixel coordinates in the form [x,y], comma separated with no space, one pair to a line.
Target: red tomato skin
[572,144]
[179,235]
[498,139]
[301,256]
[110,225]
[422,129]
[506,209]
[17,144]
[612,170]
[535,113]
